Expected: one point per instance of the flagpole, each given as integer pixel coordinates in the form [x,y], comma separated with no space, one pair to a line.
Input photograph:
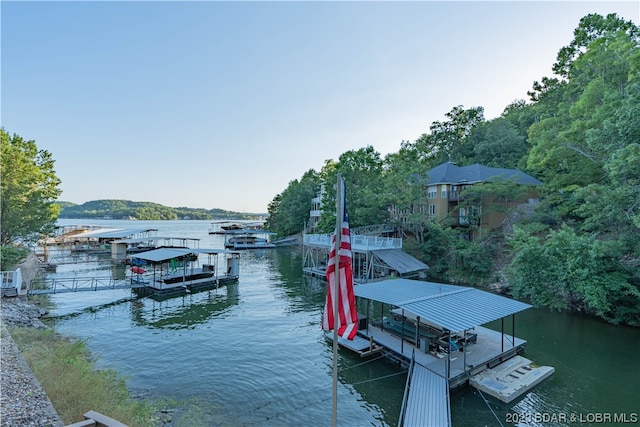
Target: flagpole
[339,219]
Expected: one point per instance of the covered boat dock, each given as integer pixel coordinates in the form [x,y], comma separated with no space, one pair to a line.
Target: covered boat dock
[373,257]
[435,329]
[169,270]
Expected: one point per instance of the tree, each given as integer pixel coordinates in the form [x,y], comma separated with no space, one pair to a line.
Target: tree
[363,174]
[29,188]
[446,142]
[289,210]
[405,190]
[591,28]
[581,115]
[567,270]
[498,143]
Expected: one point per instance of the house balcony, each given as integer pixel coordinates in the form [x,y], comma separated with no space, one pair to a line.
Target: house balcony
[455,196]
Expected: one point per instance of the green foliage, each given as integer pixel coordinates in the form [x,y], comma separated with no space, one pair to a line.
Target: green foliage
[448,140]
[500,194]
[11,255]
[289,211]
[29,188]
[567,270]
[404,189]
[451,258]
[362,171]
[125,209]
[498,143]
[591,28]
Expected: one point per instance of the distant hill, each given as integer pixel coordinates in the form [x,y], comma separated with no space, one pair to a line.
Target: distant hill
[126,209]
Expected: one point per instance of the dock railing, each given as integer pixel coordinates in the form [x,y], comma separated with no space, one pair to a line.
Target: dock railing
[77,284]
[407,386]
[358,242]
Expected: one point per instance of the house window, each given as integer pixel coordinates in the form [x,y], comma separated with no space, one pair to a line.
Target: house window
[443,193]
[432,209]
[432,192]
[463,219]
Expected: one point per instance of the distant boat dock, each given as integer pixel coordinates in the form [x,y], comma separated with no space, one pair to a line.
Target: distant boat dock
[159,265]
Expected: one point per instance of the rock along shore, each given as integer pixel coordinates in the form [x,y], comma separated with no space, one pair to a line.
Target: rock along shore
[23,401]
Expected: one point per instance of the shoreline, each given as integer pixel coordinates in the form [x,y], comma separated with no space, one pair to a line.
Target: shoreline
[24,401]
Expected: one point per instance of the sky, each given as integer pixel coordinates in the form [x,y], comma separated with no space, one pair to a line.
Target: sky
[214,104]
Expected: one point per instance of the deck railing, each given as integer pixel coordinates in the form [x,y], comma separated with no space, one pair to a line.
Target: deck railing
[358,242]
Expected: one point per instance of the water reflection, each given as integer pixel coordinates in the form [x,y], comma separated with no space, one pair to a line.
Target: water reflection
[119,271]
[184,311]
[305,293]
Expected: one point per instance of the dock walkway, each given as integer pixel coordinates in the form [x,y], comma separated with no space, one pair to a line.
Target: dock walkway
[427,399]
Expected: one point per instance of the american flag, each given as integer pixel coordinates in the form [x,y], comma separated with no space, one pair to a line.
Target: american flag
[347,313]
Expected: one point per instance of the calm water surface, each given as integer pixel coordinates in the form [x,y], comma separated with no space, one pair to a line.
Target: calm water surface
[254,354]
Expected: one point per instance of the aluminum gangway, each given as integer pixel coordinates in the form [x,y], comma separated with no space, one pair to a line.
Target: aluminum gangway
[426,400]
[79,284]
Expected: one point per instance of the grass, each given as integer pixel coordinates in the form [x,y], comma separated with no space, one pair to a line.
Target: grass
[68,375]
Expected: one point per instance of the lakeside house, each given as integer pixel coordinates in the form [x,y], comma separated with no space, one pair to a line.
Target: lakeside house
[445,201]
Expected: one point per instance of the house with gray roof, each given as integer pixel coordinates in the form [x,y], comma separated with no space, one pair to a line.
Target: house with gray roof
[446,202]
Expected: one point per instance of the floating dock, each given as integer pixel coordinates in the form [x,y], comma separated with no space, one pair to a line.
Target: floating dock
[511,379]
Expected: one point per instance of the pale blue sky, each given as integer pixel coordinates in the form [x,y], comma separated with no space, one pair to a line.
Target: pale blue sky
[222,104]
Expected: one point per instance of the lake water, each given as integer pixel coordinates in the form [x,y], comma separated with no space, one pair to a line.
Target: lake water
[253,353]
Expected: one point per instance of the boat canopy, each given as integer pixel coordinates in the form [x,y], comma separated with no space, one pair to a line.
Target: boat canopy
[163,254]
[455,308]
[113,233]
[167,254]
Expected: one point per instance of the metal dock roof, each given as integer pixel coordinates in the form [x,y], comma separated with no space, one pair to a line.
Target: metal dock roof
[456,308]
[165,254]
[401,261]
[113,233]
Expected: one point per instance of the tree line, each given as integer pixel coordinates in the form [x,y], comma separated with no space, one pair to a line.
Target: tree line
[126,209]
[578,132]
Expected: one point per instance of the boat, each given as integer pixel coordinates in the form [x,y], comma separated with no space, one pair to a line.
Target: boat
[232,227]
[229,227]
[174,270]
[248,241]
